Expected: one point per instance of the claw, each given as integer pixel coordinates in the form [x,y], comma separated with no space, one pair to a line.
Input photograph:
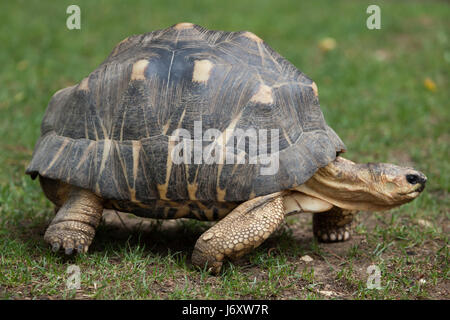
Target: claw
[55,247]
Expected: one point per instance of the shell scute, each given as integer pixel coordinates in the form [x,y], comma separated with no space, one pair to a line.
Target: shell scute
[111,133]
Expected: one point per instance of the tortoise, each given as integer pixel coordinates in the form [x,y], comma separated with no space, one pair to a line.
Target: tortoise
[109,141]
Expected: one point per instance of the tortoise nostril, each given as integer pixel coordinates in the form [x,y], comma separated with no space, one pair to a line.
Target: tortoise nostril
[423,180]
[412,178]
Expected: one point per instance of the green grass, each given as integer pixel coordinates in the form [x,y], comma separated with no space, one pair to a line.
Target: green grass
[372,93]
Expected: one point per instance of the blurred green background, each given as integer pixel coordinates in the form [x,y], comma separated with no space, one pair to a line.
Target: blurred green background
[385,92]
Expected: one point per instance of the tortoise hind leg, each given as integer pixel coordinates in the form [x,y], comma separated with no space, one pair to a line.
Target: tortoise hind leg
[74,226]
[242,230]
[333,225]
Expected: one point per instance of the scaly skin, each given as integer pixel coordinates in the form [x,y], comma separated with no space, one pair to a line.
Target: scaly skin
[73,227]
[349,187]
[333,225]
[369,187]
[242,230]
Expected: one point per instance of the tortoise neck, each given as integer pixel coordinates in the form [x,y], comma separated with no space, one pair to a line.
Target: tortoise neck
[345,184]
[342,172]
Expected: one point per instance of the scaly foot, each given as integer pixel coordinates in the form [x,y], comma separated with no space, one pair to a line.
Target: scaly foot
[70,236]
[74,226]
[242,230]
[333,225]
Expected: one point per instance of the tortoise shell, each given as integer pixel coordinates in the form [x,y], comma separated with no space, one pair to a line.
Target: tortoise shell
[111,132]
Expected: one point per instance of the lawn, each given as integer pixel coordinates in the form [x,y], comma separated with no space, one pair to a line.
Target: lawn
[385,92]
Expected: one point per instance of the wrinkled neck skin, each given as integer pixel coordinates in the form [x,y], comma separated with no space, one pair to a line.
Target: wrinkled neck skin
[352,186]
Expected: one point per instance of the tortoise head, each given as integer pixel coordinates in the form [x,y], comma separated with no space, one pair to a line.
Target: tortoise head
[371,186]
[396,185]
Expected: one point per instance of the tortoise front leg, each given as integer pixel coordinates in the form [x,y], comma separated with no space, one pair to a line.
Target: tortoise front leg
[333,225]
[75,223]
[242,230]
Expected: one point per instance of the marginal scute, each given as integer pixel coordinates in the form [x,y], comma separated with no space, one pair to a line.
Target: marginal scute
[162,191]
[192,190]
[163,188]
[136,146]
[221,193]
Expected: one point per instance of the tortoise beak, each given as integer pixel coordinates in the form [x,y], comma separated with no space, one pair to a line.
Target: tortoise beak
[422,186]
